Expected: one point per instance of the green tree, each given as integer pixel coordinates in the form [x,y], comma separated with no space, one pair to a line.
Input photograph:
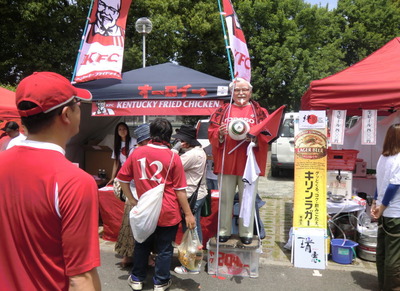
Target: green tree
[291,44]
[184,31]
[366,25]
[39,35]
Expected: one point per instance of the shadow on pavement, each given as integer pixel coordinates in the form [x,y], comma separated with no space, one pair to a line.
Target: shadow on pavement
[286,252]
[284,175]
[364,280]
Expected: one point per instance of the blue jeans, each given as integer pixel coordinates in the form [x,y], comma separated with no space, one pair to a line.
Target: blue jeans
[162,239]
[197,215]
[212,184]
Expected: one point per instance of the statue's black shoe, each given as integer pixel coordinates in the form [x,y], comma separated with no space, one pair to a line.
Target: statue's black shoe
[246,240]
[223,238]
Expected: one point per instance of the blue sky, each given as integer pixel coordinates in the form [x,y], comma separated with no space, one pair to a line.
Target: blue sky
[332,3]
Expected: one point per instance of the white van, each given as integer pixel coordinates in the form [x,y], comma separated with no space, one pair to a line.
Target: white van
[202,132]
[282,149]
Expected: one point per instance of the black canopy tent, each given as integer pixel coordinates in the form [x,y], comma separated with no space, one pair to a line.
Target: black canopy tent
[165,89]
[162,79]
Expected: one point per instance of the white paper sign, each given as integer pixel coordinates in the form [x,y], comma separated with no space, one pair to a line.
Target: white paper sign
[368,133]
[308,249]
[337,126]
[312,119]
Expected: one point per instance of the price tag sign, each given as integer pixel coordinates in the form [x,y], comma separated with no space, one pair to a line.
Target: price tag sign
[338,126]
[368,133]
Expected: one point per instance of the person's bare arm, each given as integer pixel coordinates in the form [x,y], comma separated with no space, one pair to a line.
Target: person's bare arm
[114,171]
[376,212]
[88,281]
[126,189]
[189,218]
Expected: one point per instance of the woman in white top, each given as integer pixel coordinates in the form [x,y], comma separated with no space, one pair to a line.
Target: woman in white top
[386,208]
[193,160]
[123,147]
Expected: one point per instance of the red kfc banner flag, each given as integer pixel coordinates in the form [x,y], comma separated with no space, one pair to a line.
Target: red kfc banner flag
[270,125]
[102,48]
[237,43]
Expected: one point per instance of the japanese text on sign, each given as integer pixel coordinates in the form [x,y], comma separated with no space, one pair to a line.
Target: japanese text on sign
[369,120]
[310,179]
[338,126]
[170,91]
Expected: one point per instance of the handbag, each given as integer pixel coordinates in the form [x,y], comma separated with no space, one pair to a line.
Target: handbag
[193,198]
[206,208]
[144,216]
[118,191]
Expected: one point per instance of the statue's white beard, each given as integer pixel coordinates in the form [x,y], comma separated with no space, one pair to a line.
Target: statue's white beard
[241,102]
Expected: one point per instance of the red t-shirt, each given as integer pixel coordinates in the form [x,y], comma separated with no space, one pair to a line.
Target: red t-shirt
[48,219]
[4,142]
[235,162]
[148,166]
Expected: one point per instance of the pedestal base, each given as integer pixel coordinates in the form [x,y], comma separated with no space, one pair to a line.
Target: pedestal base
[234,257]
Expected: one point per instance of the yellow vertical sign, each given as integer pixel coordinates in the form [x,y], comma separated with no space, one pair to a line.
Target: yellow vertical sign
[310,179]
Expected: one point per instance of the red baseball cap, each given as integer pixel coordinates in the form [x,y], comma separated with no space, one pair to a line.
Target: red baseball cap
[48,91]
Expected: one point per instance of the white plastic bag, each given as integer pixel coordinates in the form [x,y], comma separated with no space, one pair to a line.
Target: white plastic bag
[118,191]
[190,251]
[144,216]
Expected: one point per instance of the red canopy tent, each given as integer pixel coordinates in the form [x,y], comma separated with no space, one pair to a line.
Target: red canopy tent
[373,83]
[8,109]
[8,112]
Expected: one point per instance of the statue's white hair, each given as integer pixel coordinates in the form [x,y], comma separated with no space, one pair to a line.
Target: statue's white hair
[232,85]
[117,2]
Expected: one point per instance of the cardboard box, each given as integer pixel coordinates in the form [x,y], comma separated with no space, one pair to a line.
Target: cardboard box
[98,157]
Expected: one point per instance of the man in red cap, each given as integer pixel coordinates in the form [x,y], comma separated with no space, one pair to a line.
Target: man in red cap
[48,206]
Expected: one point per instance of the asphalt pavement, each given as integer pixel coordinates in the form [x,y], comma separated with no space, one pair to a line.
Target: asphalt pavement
[272,276]
[275,271]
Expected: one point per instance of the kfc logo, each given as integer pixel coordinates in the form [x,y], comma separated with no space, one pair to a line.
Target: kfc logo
[105,30]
